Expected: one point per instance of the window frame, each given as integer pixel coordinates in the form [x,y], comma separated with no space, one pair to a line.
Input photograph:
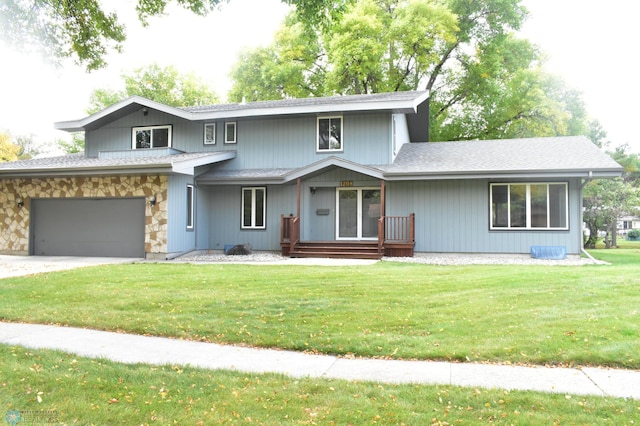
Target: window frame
[233,124]
[213,140]
[528,207]
[330,118]
[134,131]
[191,205]
[254,190]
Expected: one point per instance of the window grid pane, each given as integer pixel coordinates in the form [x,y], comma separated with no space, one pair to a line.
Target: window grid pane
[518,206]
[529,206]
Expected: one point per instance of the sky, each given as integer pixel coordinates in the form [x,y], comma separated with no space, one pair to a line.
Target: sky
[590,44]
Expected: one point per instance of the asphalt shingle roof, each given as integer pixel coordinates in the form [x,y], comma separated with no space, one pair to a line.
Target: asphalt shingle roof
[304,102]
[571,153]
[80,162]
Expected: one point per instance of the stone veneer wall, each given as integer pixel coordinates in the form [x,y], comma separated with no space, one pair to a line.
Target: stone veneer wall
[15,220]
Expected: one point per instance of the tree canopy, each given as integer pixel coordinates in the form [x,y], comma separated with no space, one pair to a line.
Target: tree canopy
[485,82]
[165,85]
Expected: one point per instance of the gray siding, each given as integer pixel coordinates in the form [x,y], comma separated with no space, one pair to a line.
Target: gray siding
[223,214]
[453,216]
[179,239]
[262,143]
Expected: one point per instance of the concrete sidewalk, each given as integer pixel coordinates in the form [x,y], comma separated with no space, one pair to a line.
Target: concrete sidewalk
[128,348]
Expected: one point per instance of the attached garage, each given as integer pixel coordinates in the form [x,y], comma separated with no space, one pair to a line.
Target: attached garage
[96,227]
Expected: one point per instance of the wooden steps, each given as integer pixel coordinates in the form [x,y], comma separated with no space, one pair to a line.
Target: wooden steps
[337,249]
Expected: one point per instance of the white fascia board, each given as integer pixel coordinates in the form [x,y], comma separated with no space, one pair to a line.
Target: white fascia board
[399,176]
[79,125]
[405,106]
[187,167]
[333,161]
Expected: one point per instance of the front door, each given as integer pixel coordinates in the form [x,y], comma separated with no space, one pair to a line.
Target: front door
[358,213]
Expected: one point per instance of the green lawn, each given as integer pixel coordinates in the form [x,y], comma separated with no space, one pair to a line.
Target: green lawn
[518,314]
[532,314]
[81,391]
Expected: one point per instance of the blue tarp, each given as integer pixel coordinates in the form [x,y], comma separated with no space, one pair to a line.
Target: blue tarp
[549,252]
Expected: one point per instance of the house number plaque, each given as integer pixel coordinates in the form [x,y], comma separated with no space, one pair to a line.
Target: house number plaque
[346,183]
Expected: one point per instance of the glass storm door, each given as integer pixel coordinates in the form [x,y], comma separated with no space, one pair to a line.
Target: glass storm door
[358,213]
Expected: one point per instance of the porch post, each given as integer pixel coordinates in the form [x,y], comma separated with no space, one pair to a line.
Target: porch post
[298,206]
[383,212]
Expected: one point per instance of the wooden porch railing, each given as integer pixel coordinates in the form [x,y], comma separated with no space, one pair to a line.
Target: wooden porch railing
[289,231]
[396,231]
[396,235]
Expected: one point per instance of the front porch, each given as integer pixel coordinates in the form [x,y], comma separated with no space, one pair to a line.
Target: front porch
[396,238]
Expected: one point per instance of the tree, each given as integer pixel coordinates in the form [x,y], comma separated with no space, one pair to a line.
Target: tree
[83,31]
[485,83]
[164,85]
[79,29]
[605,201]
[74,146]
[8,150]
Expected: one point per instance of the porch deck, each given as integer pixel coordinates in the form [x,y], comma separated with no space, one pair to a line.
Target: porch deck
[396,238]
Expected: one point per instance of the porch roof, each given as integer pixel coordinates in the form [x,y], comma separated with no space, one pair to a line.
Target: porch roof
[78,164]
[282,176]
[568,156]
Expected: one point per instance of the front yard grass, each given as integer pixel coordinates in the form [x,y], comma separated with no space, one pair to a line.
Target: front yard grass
[559,315]
[75,390]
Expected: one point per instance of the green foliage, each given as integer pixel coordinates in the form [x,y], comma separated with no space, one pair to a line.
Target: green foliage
[633,235]
[74,146]
[8,150]
[164,85]
[538,315]
[485,82]
[78,29]
[99,392]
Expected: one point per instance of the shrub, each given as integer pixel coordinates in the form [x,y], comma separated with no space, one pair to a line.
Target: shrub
[633,235]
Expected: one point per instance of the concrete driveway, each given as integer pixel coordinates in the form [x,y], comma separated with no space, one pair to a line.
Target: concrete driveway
[14,266]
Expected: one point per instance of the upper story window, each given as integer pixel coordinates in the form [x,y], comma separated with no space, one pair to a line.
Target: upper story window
[230,132]
[210,134]
[329,134]
[151,137]
[533,206]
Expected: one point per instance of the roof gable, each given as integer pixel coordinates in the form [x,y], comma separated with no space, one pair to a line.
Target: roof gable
[405,102]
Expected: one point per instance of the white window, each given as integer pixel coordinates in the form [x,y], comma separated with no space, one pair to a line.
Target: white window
[532,206]
[329,134]
[210,134]
[151,137]
[254,208]
[190,207]
[230,135]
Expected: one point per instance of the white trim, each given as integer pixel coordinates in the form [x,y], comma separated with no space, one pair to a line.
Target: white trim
[341,141]
[528,226]
[213,140]
[134,131]
[226,132]
[254,190]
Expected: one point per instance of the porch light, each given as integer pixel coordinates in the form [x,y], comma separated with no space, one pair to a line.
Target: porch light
[152,201]
[312,190]
[20,202]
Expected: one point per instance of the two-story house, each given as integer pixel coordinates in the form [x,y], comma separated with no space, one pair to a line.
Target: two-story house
[157,181]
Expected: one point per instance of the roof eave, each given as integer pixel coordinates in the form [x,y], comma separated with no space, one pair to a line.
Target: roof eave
[82,124]
[399,106]
[526,174]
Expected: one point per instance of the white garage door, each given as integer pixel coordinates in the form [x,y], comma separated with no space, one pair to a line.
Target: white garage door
[96,227]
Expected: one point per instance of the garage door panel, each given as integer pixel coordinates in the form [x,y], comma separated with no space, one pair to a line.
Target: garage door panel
[109,227]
